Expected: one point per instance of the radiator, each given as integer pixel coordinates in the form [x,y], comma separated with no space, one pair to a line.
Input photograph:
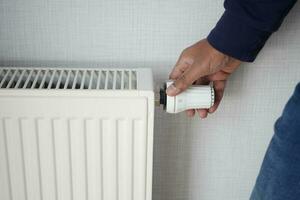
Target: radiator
[76,134]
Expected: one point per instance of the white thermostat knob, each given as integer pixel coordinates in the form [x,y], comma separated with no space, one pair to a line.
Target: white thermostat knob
[195,97]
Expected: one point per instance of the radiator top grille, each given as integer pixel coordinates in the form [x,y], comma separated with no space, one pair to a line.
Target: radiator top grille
[84,79]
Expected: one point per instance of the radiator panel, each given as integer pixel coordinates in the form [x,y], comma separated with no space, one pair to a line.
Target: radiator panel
[70,145]
[77,159]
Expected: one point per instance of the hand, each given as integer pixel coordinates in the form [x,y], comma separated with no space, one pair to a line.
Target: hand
[201,64]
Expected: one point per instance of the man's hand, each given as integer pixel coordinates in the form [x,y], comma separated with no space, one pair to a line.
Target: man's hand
[201,64]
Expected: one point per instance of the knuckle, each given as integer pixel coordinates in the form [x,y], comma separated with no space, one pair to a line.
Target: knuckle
[182,83]
[185,54]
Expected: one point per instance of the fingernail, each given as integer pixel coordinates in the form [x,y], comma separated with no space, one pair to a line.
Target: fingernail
[172,90]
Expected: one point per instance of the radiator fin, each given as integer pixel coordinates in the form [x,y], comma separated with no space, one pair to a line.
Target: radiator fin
[40,78]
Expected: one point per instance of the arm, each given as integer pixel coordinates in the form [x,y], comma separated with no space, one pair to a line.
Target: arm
[249,23]
[238,36]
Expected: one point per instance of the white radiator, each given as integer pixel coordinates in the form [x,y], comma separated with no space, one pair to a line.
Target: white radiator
[76,134]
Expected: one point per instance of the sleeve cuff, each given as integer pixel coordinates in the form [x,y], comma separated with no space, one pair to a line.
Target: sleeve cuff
[233,37]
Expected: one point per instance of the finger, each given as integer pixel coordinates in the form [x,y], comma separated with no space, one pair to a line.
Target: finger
[190,112]
[180,67]
[178,70]
[186,79]
[202,113]
[219,87]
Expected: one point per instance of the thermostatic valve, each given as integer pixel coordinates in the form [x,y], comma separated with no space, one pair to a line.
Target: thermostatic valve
[195,97]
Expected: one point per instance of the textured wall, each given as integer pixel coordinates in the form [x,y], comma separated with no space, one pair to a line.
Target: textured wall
[211,159]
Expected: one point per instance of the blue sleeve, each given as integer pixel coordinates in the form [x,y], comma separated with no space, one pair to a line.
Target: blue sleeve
[246,25]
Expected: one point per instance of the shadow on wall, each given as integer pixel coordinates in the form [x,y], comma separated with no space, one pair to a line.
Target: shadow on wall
[172,156]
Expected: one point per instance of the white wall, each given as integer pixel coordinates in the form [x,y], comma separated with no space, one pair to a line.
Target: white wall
[211,159]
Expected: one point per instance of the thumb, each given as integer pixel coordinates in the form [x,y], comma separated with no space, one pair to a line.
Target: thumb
[188,78]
